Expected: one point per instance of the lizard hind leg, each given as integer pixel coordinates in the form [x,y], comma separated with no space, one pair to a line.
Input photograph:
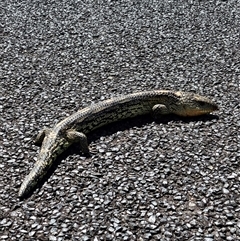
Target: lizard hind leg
[41,135]
[79,137]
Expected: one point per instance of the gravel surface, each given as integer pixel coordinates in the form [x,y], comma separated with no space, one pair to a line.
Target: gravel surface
[148,180]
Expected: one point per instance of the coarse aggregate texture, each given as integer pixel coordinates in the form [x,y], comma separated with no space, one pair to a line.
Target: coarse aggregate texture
[147,180]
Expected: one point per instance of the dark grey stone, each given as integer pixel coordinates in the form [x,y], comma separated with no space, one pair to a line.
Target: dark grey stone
[170,179]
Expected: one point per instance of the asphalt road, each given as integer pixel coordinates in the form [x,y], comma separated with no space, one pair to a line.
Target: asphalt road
[177,179]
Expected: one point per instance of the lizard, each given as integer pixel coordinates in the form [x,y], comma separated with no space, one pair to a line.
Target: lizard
[75,127]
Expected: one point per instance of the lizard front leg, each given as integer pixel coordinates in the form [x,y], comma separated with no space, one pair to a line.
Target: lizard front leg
[159,110]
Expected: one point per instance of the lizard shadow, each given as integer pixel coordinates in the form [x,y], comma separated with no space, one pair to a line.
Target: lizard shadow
[141,121]
[112,128]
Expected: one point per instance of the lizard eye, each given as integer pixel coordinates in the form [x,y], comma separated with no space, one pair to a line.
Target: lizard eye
[201,103]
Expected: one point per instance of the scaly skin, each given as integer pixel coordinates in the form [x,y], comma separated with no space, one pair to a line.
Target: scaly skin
[73,128]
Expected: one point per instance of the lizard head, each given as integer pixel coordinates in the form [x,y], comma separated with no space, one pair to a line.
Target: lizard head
[191,104]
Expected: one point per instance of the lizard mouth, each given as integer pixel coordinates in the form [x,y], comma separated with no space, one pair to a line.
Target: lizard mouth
[198,112]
